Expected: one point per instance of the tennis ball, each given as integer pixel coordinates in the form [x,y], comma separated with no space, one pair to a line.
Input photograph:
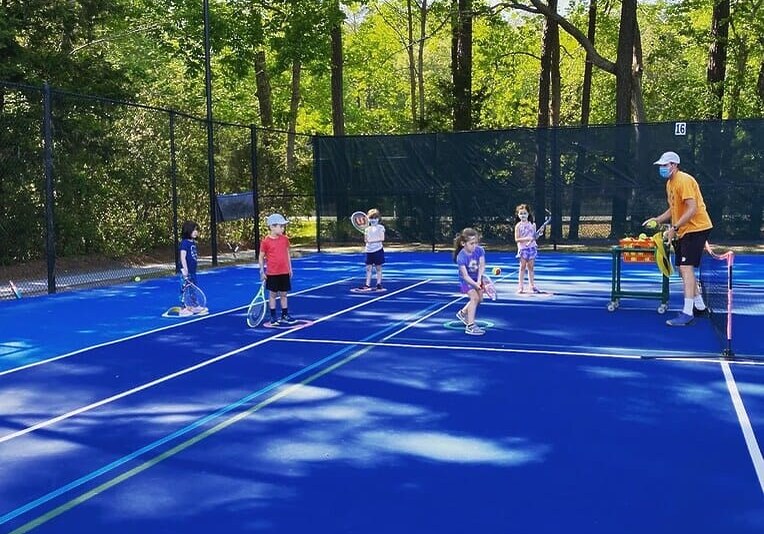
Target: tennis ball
[652,224]
[643,236]
[496,271]
[137,279]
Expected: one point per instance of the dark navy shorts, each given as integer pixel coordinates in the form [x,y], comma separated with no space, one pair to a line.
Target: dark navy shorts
[689,248]
[278,282]
[376,258]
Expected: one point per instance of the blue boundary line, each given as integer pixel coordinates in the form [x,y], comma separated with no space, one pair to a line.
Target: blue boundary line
[181,432]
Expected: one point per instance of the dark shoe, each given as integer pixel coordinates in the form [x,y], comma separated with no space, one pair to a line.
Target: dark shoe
[682,319]
[288,319]
[699,313]
[274,322]
[379,287]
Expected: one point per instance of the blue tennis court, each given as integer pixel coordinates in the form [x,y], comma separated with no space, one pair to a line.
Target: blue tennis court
[376,413]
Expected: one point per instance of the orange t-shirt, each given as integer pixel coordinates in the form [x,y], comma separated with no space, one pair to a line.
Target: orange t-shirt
[679,188]
[275,250]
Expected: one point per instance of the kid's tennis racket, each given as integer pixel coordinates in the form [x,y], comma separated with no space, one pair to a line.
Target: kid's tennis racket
[540,230]
[257,308]
[488,287]
[360,221]
[193,297]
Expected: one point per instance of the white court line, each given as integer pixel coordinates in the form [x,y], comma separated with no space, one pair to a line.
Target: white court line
[745,425]
[102,402]
[469,348]
[154,331]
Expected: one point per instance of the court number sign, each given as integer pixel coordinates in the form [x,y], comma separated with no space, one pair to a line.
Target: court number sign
[680,128]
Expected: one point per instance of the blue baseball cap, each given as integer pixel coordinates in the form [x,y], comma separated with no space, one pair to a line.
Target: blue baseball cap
[275,218]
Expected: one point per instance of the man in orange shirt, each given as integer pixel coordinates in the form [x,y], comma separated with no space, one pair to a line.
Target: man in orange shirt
[274,249]
[691,225]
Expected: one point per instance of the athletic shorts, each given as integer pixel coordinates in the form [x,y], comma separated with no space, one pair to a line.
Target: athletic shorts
[528,253]
[689,248]
[278,282]
[376,258]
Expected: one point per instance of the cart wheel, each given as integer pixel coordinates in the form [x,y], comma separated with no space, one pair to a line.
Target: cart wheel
[611,306]
[662,308]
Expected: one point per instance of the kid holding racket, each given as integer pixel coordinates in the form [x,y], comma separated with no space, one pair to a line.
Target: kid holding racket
[470,259]
[274,249]
[188,261]
[527,248]
[374,236]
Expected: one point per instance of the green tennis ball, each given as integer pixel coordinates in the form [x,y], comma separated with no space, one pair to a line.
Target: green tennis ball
[137,278]
[643,236]
[652,224]
[496,271]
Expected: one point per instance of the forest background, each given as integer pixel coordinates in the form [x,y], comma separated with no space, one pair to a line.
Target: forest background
[332,67]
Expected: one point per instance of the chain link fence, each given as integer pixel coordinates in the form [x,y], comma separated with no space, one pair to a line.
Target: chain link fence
[93,191]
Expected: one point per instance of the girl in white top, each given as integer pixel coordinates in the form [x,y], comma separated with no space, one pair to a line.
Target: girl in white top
[374,236]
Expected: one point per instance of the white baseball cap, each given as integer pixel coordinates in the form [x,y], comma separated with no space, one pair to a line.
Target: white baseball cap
[275,218]
[668,157]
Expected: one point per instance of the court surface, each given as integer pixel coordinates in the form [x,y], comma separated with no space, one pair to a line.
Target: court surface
[377,414]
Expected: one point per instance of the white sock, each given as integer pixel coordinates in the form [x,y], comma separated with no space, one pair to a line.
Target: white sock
[698,300]
[688,306]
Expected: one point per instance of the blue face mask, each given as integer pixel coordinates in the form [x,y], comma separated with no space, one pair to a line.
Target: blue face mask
[373,221]
[665,172]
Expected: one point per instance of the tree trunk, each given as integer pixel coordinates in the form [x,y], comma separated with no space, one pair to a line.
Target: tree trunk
[263,87]
[623,95]
[581,157]
[542,119]
[412,64]
[338,105]
[420,63]
[760,88]
[717,58]
[637,68]
[294,105]
[461,63]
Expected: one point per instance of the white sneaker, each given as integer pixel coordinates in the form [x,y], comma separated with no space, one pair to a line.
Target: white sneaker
[200,310]
[462,317]
[185,312]
[474,330]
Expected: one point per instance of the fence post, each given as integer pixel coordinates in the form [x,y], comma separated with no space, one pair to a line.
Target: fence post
[255,193]
[50,239]
[317,188]
[174,183]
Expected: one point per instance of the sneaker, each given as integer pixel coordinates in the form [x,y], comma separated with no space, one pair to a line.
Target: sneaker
[474,330]
[462,317]
[200,310]
[287,319]
[682,319]
[700,313]
[185,312]
[520,290]
[364,288]
[536,290]
[274,321]
[379,287]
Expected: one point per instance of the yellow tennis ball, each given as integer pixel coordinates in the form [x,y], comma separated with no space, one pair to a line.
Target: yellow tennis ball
[652,224]
[137,278]
[496,271]
[643,236]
